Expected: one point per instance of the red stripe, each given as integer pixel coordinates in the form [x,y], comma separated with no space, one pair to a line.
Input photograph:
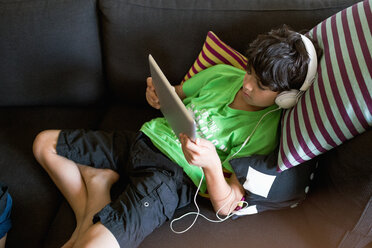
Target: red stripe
[285,160]
[314,104]
[189,75]
[356,68]
[206,58]
[345,81]
[290,144]
[281,149]
[216,54]
[322,90]
[365,52]
[237,56]
[309,129]
[200,64]
[193,69]
[300,138]
[363,42]
[317,116]
[291,147]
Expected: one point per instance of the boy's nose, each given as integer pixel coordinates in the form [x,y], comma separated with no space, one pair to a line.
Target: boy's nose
[248,86]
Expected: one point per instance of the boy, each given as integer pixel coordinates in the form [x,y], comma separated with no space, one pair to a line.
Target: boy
[162,170]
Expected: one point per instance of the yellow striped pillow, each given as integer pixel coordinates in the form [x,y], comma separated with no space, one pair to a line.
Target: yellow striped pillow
[216,52]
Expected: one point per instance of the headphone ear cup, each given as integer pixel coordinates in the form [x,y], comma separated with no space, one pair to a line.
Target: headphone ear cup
[287,99]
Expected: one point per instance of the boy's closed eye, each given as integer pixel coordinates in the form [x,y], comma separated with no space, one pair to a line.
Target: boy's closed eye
[260,86]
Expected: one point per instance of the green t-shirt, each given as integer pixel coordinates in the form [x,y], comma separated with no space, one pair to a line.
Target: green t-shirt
[208,95]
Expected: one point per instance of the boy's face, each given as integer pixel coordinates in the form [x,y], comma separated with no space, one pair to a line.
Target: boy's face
[255,94]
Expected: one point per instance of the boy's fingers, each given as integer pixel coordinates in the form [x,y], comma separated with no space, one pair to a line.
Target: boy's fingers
[186,138]
[152,95]
[191,146]
[150,84]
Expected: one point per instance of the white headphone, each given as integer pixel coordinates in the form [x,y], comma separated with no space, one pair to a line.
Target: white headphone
[287,99]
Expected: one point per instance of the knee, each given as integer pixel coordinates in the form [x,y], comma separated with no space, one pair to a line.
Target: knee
[97,236]
[98,178]
[45,142]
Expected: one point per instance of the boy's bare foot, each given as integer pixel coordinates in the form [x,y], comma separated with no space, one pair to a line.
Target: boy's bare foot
[2,241]
[98,184]
[70,243]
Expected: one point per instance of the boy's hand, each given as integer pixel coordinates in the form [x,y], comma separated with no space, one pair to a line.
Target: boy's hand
[151,96]
[201,153]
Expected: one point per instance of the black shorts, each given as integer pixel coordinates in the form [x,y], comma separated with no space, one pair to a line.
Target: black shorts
[155,185]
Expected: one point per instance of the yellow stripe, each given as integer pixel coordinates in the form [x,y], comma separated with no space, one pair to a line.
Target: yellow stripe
[203,61]
[239,55]
[223,53]
[220,51]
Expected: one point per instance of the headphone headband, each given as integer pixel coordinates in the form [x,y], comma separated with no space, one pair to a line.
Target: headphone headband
[288,99]
[313,63]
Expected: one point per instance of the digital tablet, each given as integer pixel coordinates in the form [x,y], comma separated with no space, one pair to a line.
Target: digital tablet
[172,107]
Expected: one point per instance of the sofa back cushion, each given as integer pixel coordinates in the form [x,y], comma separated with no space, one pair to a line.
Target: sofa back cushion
[49,52]
[173,32]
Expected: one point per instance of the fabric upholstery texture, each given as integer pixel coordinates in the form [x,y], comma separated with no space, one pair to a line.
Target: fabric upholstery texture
[268,189]
[338,106]
[74,52]
[173,31]
[54,46]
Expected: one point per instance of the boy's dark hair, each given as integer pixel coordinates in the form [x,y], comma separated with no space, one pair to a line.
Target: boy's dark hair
[279,59]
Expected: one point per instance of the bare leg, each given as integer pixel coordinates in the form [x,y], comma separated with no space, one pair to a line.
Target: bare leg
[86,189]
[98,183]
[2,241]
[97,236]
[64,173]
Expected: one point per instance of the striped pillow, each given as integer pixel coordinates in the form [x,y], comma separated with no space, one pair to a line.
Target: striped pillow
[338,106]
[215,52]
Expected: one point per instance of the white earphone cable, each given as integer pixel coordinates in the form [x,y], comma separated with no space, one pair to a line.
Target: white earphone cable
[197,214]
[232,193]
[249,137]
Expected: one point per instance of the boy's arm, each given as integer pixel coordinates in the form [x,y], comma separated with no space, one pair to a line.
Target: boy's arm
[224,196]
[179,91]
[153,99]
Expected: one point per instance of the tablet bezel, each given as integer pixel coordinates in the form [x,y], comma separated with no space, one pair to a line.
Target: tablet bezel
[172,107]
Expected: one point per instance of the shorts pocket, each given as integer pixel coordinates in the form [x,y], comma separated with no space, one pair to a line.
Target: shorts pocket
[157,207]
[168,198]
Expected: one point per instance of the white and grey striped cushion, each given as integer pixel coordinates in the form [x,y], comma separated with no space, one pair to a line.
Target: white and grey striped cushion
[338,106]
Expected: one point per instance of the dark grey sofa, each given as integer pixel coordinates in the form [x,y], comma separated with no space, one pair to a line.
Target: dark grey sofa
[83,64]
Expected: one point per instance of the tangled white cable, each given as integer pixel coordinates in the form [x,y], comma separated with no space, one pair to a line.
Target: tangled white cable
[197,214]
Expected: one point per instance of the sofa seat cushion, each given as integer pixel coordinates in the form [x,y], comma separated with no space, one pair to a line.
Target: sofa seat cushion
[265,230]
[280,226]
[338,210]
[128,117]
